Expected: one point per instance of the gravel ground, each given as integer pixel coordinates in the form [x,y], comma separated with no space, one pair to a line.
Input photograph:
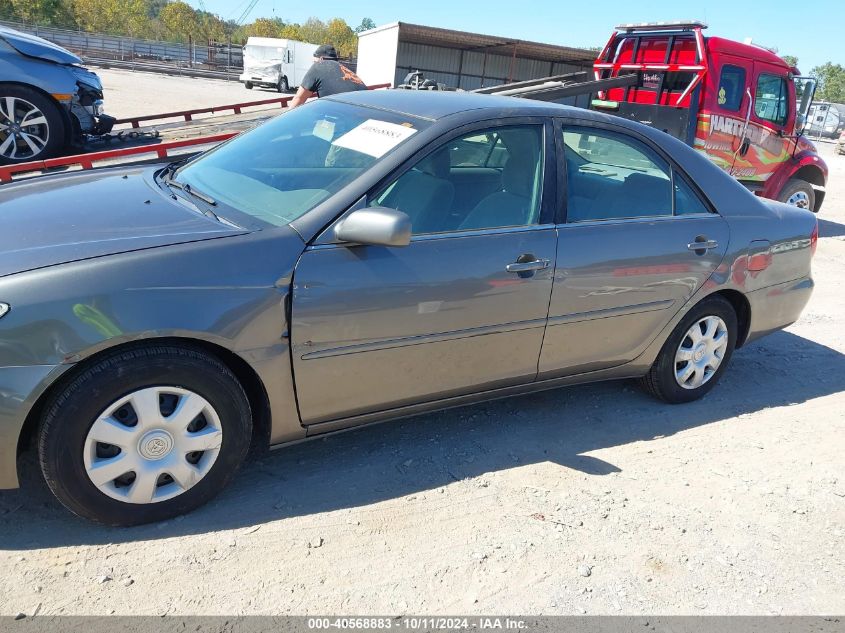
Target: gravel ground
[593,499]
[130,93]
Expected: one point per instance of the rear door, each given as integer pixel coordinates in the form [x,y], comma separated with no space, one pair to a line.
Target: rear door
[637,242]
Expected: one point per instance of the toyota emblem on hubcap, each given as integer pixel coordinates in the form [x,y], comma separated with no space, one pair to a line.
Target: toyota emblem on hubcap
[155,444]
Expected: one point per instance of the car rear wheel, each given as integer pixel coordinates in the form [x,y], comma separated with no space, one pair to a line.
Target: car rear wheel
[248,85]
[696,354]
[283,85]
[31,126]
[799,193]
[144,435]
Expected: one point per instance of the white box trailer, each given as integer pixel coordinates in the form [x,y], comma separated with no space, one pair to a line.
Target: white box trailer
[276,63]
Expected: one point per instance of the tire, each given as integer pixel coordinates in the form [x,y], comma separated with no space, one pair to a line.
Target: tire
[79,416]
[283,85]
[661,380]
[48,138]
[248,85]
[799,193]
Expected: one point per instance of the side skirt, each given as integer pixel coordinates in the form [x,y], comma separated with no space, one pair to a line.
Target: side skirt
[322,429]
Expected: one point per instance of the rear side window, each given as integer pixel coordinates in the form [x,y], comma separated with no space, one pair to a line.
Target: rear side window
[687,201]
[731,87]
[611,176]
[770,101]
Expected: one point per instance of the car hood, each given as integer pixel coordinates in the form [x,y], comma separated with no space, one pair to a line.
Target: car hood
[37,47]
[60,219]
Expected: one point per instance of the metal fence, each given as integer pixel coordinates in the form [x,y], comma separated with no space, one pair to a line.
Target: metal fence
[210,56]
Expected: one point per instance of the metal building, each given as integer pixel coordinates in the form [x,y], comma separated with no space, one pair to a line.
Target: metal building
[459,59]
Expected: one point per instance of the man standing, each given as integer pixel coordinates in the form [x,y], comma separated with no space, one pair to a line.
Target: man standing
[327,76]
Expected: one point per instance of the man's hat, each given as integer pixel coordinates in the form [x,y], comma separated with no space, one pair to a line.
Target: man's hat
[326,51]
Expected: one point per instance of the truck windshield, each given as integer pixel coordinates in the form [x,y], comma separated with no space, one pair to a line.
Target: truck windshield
[264,53]
[282,169]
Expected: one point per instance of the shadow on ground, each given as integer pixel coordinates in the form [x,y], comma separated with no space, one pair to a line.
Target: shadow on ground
[423,453]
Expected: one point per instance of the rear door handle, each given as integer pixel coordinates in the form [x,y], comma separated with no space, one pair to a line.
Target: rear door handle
[521,267]
[706,245]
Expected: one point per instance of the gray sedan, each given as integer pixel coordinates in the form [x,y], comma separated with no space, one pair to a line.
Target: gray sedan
[365,257]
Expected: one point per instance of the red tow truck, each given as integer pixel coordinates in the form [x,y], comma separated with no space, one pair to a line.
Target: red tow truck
[740,104]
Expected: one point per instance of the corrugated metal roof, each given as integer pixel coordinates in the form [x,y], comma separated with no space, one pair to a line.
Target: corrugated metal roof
[462,40]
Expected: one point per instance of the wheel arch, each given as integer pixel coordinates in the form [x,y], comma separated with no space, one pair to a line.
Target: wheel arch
[741,307]
[250,381]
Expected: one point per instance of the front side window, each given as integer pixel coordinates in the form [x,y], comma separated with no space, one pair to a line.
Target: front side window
[483,180]
[282,169]
[610,176]
[731,87]
[770,101]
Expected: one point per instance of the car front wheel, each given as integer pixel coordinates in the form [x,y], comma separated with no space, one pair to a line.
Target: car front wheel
[31,126]
[696,354]
[144,435]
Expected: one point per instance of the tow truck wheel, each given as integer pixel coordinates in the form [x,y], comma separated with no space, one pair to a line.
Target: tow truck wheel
[248,85]
[31,126]
[283,85]
[799,193]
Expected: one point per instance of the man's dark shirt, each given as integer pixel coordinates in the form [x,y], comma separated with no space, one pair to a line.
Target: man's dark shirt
[329,77]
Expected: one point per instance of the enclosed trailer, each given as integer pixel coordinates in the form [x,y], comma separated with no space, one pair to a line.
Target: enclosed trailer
[276,63]
[826,119]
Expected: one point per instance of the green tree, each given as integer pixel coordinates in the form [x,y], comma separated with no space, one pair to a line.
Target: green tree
[154,7]
[265,27]
[366,25]
[790,59]
[120,17]
[339,33]
[831,78]
[48,12]
[180,20]
[313,30]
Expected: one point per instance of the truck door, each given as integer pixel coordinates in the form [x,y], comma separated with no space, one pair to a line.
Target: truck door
[727,105]
[765,145]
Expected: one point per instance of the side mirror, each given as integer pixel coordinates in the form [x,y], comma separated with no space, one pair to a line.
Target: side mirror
[375,226]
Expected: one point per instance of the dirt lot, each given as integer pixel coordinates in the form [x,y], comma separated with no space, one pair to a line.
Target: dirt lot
[165,93]
[593,499]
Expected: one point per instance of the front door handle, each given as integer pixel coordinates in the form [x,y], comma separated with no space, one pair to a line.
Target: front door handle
[703,246]
[523,267]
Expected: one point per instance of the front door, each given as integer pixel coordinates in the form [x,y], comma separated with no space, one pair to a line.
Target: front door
[637,243]
[766,145]
[461,309]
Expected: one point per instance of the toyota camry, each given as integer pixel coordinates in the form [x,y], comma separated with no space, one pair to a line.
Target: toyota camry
[365,257]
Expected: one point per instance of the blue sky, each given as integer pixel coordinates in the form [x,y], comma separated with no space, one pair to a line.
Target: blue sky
[813,31]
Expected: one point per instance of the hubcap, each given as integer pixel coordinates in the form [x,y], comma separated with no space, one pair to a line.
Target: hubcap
[24,131]
[799,199]
[701,352]
[152,445]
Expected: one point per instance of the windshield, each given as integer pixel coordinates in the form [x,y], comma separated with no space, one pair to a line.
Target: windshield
[282,169]
[264,53]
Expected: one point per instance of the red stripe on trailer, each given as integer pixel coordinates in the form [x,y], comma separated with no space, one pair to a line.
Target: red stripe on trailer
[235,107]
[86,161]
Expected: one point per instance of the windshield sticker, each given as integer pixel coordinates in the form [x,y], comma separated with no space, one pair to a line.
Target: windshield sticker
[374,138]
[324,130]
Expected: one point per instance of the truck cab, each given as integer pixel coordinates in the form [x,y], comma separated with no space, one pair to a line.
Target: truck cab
[739,103]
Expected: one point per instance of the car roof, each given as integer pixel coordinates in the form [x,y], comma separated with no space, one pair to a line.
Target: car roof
[436,104]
